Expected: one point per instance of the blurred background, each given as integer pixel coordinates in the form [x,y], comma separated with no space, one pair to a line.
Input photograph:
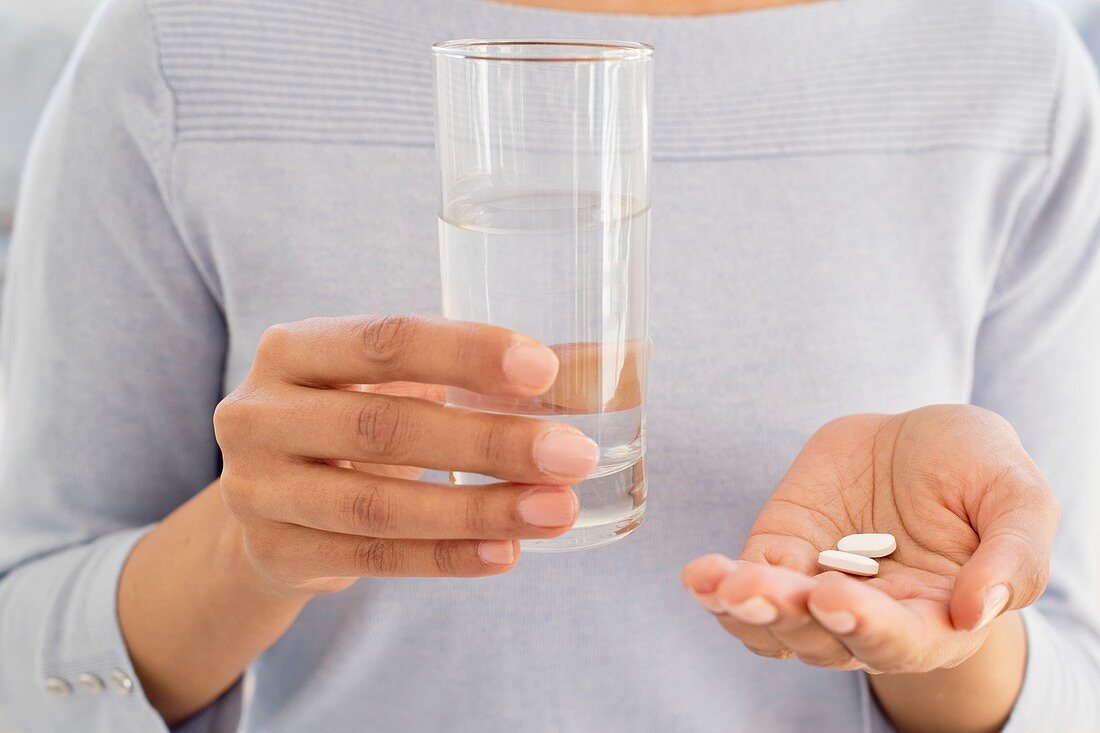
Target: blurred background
[36,37]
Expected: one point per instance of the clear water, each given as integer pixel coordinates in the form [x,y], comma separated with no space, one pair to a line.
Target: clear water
[569,270]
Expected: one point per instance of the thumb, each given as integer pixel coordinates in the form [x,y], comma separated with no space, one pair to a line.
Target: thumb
[1015,520]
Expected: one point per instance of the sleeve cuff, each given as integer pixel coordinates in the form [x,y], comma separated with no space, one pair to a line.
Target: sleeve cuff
[65,665]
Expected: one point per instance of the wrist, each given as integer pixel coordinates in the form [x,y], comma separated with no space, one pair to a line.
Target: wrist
[191,575]
[973,697]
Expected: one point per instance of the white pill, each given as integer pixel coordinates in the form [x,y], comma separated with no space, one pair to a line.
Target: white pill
[847,562]
[868,545]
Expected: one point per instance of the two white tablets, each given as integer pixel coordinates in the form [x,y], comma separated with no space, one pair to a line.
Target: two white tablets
[855,553]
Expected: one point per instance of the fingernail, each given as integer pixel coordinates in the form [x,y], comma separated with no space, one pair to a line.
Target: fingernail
[548,508]
[566,453]
[836,622]
[530,365]
[496,552]
[710,603]
[993,602]
[755,610]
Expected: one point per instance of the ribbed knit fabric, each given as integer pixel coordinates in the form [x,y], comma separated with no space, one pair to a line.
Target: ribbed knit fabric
[869,76]
[859,205]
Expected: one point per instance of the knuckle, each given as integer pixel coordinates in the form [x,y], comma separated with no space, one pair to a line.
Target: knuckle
[269,556]
[261,550]
[494,445]
[446,555]
[377,557]
[475,508]
[380,425]
[474,344]
[384,338]
[236,493]
[234,417]
[371,510]
[274,340]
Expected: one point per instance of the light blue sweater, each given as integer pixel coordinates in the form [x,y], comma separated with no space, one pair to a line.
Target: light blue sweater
[864,205]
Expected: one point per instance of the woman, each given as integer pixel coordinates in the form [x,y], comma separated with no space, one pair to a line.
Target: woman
[863,207]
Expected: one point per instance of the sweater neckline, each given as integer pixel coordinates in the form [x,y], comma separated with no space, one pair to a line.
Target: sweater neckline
[779,12]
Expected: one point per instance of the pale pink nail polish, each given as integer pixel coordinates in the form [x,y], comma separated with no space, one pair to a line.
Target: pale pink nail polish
[497,552]
[548,508]
[530,365]
[566,453]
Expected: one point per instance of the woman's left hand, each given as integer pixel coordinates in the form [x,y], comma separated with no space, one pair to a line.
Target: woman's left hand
[972,515]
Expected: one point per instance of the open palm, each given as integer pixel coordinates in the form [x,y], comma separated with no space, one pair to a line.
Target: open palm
[973,520]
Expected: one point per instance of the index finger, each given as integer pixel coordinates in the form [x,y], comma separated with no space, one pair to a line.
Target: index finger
[373,349]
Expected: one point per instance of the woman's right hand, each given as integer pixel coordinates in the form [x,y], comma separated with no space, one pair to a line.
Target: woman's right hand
[309,456]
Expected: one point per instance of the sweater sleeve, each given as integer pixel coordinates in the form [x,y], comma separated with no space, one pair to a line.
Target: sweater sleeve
[113,344]
[1038,364]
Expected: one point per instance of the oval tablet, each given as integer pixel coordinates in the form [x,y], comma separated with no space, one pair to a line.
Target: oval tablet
[868,545]
[847,562]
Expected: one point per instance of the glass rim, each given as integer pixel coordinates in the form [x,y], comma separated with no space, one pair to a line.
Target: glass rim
[474,49]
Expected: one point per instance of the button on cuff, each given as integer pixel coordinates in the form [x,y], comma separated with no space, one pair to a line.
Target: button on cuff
[89,682]
[121,682]
[58,687]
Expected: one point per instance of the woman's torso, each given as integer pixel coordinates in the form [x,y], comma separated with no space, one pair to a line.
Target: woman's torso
[831,190]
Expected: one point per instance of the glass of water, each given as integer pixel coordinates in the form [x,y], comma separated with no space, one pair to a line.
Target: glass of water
[544,158]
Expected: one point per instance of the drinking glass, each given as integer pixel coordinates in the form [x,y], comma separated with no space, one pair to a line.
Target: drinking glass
[544,160]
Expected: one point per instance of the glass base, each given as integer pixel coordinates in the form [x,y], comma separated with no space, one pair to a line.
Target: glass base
[612,505]
[585,536]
